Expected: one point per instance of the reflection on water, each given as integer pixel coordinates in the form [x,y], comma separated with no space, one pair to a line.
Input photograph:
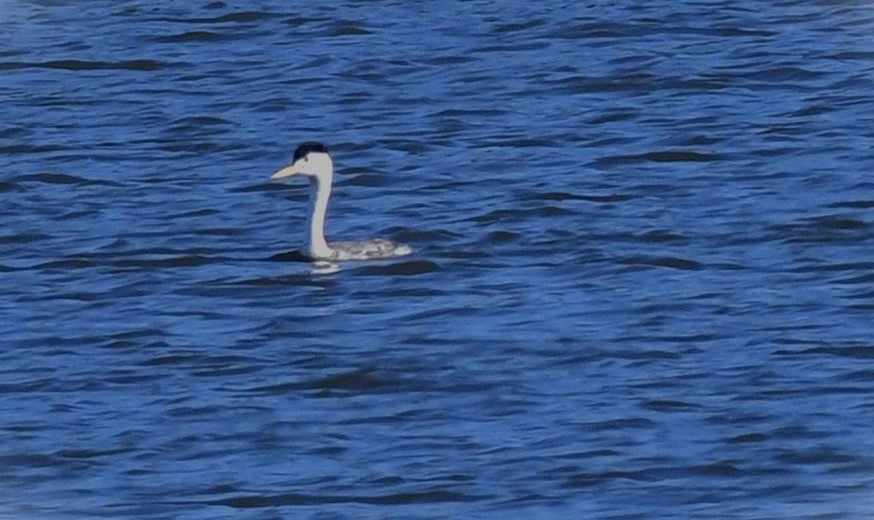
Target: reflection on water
[322,267]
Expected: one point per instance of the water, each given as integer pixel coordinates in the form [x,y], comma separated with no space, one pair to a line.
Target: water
[641,286]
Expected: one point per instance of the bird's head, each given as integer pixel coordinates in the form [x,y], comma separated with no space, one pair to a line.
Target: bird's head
[311,159]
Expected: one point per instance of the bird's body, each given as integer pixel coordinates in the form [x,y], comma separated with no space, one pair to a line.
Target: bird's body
[313,160]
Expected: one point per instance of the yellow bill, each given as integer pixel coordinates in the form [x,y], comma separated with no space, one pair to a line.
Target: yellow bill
[288,171]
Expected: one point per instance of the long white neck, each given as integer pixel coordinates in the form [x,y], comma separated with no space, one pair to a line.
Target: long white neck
[320,192]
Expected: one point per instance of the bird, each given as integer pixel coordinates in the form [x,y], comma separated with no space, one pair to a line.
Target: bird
[313,160]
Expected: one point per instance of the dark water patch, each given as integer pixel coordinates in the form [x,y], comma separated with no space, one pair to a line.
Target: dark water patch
[87,454]
[591,479]
[843,390]
[595,29]
[419,292]
[357,381]
[783,74]
[838,223]
[202,212]
[144,65]
[30,149]
[511,47]
[192,36]
[8,186]
[266,186]
[289,280]
[199,126]
[410,146]
[853,204]
[822,229]
[623,424]
[15,132]
[131,378]
[854,352]
[241,17]
[716,469]
[113,255]
[299,21]
[700,85]
[347,28]
[366,179]
[662,261]
[423,235]
[811,111]
[678,156]
[196,130]
[602,199]
[697,141]
[193,411]
[355,98]
[237,17]
[11,52]
[172,359]
[748,438]
[510,214]
[852,56]
[501,237]
[191,260]
[220,232]
[816,456]
[67,263]
[20,387]
[578,84]
[295,499]
[72,215]
[663,237]
[27,426]
[136,334]
[589,454]
[797,432]
[29,460]
[290,256]
[667,405]
[469,112]
[519,26]
[433,314]
[666,156]
[518,142]
[743,32]
[833,266]
[191,147]
[408,268]
[62,179]
[440,61]
[858,375]
[727,266]
[659,355]
[216,366]
[198,122]
[614,116]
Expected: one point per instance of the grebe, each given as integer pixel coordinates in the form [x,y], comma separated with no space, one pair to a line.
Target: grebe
[313,160]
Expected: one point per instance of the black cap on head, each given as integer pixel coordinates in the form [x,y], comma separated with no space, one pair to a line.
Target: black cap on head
[307,147]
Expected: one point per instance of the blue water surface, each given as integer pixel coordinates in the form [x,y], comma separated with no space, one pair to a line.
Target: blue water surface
[641,286]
